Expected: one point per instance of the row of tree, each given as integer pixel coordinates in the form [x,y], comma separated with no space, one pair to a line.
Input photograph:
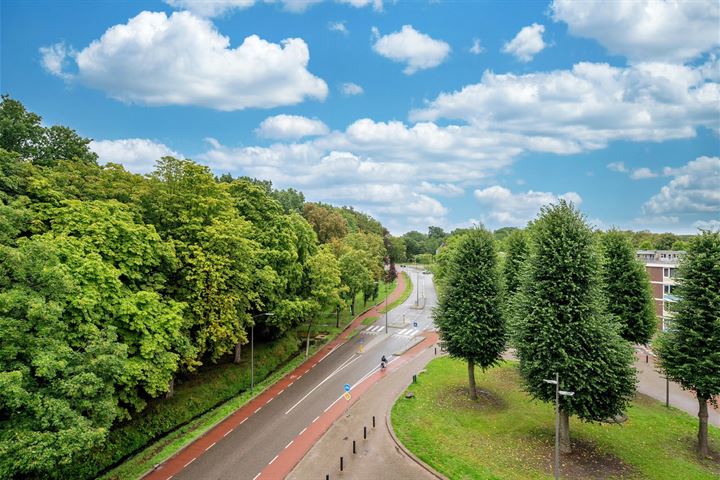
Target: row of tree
[113,284]
[572,302]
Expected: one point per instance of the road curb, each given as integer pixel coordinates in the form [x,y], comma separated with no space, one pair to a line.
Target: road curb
[399,444]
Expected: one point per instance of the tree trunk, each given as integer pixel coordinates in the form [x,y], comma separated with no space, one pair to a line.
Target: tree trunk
[352,306]
[337,318]
[471,378]
[703,447]
[171,389]
[307,342]
[564,432]
[238,351]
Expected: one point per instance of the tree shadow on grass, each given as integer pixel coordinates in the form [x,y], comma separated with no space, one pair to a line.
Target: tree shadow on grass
[458,396]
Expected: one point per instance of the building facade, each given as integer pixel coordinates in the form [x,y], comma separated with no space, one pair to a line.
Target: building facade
[662,267]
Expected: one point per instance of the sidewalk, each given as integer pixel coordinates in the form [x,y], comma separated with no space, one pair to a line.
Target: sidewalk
[653,384]
[378,456]
[199,446]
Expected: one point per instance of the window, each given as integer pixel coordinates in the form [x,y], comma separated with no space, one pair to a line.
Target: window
[669,272]
[668,289]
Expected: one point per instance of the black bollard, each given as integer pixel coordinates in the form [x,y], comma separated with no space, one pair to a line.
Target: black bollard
[354,447]
[373,421]
[327,477]
[414,378]
[435,350]
[364,433]
[341,464]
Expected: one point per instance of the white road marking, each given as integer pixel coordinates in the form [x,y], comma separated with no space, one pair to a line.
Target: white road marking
[228,432]
[302,431]
[271,399]
[244,420]
[274,458]
[316,419]
[189,462]
[208,448]
[281,391]
[257,409]
[326,355]
[255,477]
[346,363]
[291,442]
[290,384]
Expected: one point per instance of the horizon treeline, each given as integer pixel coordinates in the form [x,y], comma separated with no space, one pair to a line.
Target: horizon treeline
[113,284]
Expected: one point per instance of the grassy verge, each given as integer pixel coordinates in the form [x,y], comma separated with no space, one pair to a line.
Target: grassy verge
[406,293]
[369,320]
[167,446]
[507,435]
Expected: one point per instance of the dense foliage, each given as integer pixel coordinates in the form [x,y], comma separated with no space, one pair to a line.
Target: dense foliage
[690,351]
[469,316]
[114,284]
[626,288]
[562,327]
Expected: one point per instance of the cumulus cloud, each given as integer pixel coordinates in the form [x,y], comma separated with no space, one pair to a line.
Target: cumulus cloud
[617,167]
[290,127]
[376,4]
[350,89]
[183,60]
[645,30]
[135,154]
[476,48]
[442,189]
[590,105]
[695,188]
[506,208]
[527,43]
[215,8]
[707,224]
[338,27]
[642,174]
[417,50]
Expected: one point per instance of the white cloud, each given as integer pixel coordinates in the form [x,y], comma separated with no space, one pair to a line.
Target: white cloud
[642,30]
[617,167]
[338,27]
[135,154]
[695,189]
[527,43]
[215,8]
[642,174]
[350,89]
[290,127]
[442,189]
[54,59]
[476,48]
[590,105]
[184,60]
[417,50]
[707,225]
[516,209]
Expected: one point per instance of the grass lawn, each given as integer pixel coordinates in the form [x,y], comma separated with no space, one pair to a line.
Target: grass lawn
[506,435]
[406,293]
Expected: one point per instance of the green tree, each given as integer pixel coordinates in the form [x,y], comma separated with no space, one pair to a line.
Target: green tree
[562,327]
[20,130]
[517,252]
[627,288]
[689,351]
[355,274]
[397,250]
[328,224]
[291,200]
[469,317]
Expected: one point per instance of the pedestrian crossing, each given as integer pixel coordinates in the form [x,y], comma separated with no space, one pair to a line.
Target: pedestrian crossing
[406,332]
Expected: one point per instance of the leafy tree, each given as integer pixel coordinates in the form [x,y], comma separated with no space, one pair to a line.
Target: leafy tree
[517,252]
[627,288]
[355,274]
[397,250]
[328,224]
[291,200]
[562,327]
[20,130]
[469,316]
[690,351]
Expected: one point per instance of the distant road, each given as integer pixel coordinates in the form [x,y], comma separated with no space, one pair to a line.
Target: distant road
[289,409]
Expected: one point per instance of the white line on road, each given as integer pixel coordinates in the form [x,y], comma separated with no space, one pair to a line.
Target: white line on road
[326,355]
[316,419]
[244,420]
[291,442]
[257,409]
[255,477]
[274,458]
[208,448]
[302,431]
[290,384]
[344,364]
[189,462]
[228,432]
[169,477]
[281,391]
[271,399]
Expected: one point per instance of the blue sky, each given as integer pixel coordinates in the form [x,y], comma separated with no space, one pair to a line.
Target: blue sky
[420,113]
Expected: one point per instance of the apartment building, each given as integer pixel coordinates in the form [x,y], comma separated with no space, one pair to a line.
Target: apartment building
[662,267]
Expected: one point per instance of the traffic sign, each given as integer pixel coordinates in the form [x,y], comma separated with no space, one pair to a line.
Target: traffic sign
[347,396]
[347,387]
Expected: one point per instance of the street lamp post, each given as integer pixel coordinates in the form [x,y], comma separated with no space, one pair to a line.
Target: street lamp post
[386,310]
[252,350]
[558,392]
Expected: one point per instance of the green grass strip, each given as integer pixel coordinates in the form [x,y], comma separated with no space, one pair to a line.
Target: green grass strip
[405,295]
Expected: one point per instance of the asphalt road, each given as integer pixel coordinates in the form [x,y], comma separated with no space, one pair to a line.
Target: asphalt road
[254,444]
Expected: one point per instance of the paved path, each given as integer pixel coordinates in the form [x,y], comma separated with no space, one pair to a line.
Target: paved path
[278,426]
[654,385]
[378,456]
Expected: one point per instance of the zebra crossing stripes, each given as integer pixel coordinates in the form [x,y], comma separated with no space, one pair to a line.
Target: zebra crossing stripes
[406,332]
